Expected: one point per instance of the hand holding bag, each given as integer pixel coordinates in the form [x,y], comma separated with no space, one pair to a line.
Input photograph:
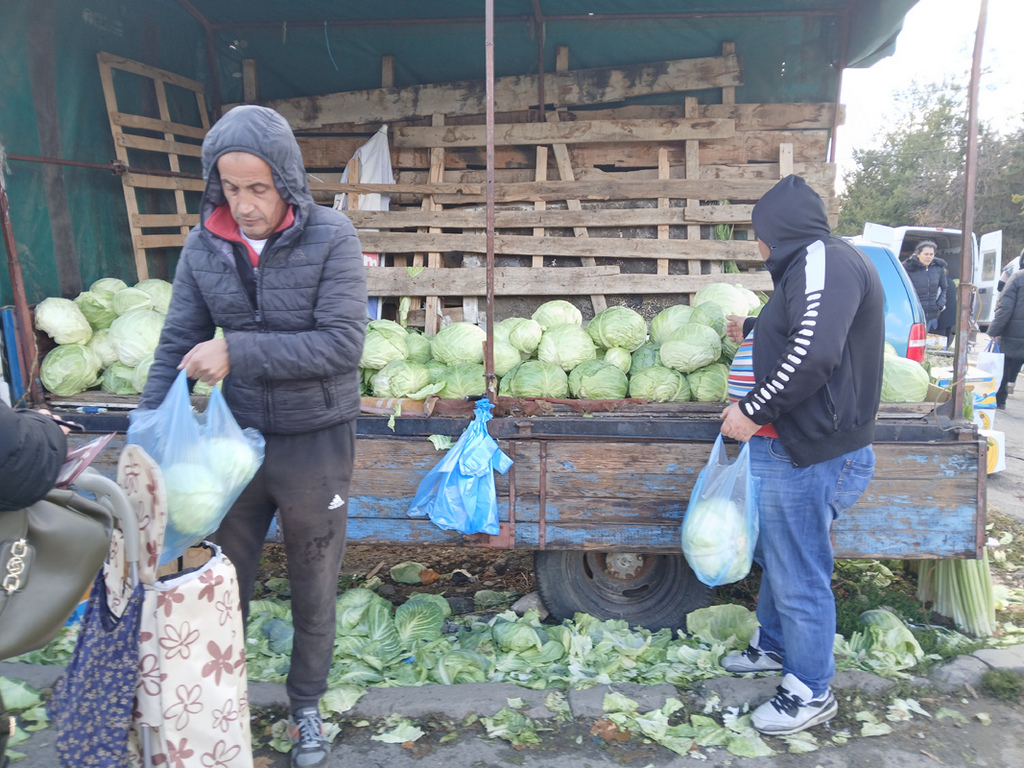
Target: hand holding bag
[720,528]
[50,553]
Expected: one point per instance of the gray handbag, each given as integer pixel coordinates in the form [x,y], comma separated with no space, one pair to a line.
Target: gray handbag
[50,553]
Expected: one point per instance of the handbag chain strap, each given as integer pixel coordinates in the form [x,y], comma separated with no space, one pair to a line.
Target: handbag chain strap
[15,566]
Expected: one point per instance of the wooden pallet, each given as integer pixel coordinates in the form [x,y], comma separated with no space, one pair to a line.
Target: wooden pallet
[146,143]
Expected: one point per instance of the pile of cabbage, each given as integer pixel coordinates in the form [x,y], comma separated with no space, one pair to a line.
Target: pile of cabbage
[105,337]
[681,355]
[903,380]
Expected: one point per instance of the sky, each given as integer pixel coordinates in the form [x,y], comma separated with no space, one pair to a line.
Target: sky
[938,39]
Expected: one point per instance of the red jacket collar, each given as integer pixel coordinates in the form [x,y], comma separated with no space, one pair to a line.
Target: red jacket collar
[222,224]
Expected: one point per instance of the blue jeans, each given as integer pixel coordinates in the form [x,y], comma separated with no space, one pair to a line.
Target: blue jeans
[795,605]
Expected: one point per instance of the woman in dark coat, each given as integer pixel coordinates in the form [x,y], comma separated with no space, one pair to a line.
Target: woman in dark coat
[1008,329]
[928,274]
[32,450]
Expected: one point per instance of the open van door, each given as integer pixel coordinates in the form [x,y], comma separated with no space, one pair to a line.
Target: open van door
[879,234]
[986,275]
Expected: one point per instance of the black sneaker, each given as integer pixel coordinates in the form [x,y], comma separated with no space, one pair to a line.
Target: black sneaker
[793,709]
[309,744]
[753,659]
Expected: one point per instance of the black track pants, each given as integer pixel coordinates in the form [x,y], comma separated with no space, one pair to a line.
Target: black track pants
[307,477]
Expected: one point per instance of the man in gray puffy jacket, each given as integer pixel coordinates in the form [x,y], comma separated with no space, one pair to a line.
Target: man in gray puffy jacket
[284,279]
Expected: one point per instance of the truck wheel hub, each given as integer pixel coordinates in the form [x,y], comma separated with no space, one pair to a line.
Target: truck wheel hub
[624,565]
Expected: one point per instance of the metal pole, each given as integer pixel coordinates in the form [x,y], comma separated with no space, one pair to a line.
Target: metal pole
[490,378]
[23,318]
[967,228]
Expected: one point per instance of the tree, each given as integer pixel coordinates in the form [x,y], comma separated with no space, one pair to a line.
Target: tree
[916,176]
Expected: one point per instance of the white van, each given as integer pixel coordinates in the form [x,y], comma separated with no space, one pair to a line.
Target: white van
[986,260]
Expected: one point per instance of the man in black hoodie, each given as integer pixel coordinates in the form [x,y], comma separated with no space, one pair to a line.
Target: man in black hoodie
[809,420]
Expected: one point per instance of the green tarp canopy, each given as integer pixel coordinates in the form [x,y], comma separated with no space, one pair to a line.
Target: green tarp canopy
[70,222]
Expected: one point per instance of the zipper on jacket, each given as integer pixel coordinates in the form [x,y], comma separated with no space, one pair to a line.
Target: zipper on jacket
[831,408]
[256,309]
[325,385]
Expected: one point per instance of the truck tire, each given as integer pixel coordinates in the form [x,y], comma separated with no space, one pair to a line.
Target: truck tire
[652,591]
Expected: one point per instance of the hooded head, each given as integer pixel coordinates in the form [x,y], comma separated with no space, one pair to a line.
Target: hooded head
[262,132]
[788,217]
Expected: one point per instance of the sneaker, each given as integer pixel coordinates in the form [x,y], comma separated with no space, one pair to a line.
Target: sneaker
[309,744]
[793,709]
[753,659]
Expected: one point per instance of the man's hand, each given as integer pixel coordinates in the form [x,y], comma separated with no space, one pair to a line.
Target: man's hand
[736,425]
[207,361]
[734,328]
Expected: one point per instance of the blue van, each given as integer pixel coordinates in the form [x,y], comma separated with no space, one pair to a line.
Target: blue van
[904,317]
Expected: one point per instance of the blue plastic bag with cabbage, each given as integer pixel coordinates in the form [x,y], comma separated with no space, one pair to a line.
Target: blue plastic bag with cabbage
[458,494]
[721,524]
[205,459]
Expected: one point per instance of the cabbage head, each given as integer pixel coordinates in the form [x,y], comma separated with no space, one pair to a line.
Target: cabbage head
[647,355]
[691,347]
[419,347]
[437,370]
[459,343]
[525,335]
[753,302]
[69,369]
[618,327]
[903,380]
[516,636]
[731,300]
[382,345]
[400,378]
[98,308]
[63,321]
[716,541]
[119,379]
[135,334]
[506,357]
[141,374]
[619,357]
[108,284]
[126,300]
[709,384]
[566,346]
[196,498]
[536,378]
[462,380]
[659,384]
[159,291]
[889,349]
[597,380]
[668,320]
[557,312]
[503,328]
[233,461]
[102,348]
[710,314]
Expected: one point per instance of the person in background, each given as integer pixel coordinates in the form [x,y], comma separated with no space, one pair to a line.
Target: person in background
[1007,328]
[284,279]
[32,450]
[928,274]
[810,420]
[1012,266]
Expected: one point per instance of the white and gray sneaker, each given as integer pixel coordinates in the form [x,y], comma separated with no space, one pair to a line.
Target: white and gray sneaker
[793,709]
[753,659]
[309,744]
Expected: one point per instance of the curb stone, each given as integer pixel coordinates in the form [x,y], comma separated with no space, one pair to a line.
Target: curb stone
[1003,658]
[960,671]
[590,702]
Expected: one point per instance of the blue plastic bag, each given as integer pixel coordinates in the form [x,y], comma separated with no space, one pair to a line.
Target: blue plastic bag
[721,525]
[206,461]
[458,493]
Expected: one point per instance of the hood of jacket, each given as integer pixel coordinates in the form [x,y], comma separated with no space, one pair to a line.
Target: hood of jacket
[789,217]
[913,264]
[262,132]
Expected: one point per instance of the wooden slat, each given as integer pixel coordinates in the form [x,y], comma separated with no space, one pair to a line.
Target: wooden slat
[161,241]
[729,91]
[454,218]
[775,117]
[539,206]
[664,172]
[584,86]
[149,181]
[693,266]
[545,281]
[785,160]
[250,81]
[581,132]
[163,146]
[432,305]
[141,122]
[165,219]
[137,67]
[586,247]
